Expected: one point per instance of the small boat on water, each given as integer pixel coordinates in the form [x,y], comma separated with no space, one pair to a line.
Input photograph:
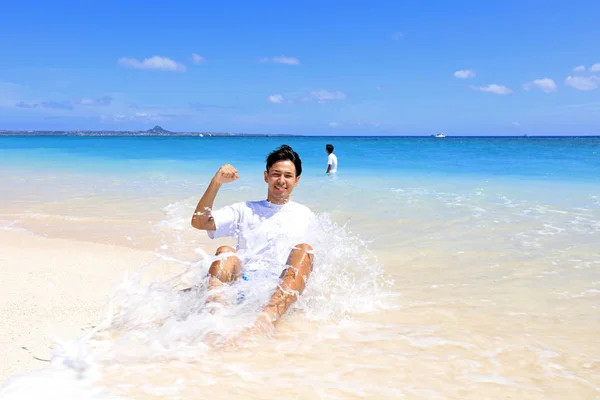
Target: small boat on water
[440,135]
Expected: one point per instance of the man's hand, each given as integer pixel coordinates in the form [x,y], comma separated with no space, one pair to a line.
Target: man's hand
[227,173]
[201,219]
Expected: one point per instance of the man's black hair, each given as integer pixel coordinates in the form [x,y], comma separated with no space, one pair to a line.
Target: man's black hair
[285,152]
[329,148]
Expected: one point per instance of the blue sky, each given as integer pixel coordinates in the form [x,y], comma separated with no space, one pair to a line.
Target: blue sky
[303,67]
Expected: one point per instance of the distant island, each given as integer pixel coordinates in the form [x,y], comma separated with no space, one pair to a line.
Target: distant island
[160,131]
[156,131]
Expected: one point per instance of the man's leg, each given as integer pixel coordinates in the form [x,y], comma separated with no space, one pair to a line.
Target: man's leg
[292,284]
[223,270]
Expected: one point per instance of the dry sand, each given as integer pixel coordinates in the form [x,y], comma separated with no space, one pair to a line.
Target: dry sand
[54,289]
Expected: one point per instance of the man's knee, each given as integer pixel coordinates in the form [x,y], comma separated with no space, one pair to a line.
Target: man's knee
[304,247]
[224,249]
[307,249]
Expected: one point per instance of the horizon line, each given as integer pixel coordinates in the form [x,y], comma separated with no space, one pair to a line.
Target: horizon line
[93,133]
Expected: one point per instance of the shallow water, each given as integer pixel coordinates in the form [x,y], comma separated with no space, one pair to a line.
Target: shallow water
[460,269]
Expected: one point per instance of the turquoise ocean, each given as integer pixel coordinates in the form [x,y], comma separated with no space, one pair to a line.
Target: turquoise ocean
[447,268]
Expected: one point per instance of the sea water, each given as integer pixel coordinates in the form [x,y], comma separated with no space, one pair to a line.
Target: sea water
[445,268]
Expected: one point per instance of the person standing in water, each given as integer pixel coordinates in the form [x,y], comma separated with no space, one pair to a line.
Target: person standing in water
[270,234]
[332,161]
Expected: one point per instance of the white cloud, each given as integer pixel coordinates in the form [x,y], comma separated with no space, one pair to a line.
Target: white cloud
[320,96]
[23,104]
[276,98]
[59,105]
[286,60]
[369,123]
[324,96]
[138,116]
[88,101]
[155,62]
[397,35]
[493,88]
[595,68]
[465,74]
[116,117]
[69,104]
[546,85]
[582,82]
[516,124]
[198,59]
[579,68]
[281,60]
[334,124]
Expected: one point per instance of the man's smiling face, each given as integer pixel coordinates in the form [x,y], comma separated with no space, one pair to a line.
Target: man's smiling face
[281,179]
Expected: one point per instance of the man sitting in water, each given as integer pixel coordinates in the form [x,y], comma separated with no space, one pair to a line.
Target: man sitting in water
[273,229]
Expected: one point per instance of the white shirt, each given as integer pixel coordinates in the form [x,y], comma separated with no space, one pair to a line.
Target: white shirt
[265,232]
[332,160]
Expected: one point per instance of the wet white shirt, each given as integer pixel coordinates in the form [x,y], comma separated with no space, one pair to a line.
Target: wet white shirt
[332,160]
[263,231]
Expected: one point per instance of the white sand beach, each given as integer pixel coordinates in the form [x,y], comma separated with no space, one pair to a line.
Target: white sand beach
[55,289]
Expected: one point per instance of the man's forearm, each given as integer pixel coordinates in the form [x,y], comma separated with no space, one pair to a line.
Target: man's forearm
[202,217]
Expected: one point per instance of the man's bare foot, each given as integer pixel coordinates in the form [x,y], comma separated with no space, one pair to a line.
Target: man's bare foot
[215,299]
[264,324]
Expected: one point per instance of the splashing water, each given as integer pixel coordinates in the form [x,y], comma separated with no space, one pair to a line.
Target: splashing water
[170,329]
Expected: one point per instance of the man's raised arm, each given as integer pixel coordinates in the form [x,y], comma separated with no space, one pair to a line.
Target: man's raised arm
[202,218]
